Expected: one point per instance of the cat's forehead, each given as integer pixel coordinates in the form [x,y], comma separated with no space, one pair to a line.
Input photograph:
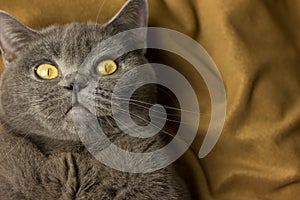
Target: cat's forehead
[68,31]
[69,45]
[74,38]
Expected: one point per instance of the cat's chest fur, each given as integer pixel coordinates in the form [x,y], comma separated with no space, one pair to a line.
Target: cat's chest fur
[30,174]
[80,176]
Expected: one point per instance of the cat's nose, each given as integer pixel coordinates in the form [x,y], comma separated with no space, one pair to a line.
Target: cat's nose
[79,86]
[70,86]
[82,82]
[70,83]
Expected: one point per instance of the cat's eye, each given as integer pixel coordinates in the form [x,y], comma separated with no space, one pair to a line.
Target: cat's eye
[106,67]
[47,71]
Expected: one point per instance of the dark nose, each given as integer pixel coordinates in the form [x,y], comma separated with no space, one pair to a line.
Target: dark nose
[79,86]
[82,82]
[70,84]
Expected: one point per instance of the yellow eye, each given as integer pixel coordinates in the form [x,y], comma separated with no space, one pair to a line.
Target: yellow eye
[47,71]
[106,67]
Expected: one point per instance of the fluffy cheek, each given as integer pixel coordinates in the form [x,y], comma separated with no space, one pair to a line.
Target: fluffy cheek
[54,104]
[37,108]
[17,112]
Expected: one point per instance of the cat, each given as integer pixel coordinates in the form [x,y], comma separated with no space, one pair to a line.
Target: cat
[41,156]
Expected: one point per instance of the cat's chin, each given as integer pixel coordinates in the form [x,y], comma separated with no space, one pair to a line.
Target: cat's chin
[77,122]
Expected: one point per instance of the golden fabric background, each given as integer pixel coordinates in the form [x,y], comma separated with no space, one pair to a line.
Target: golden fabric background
[255,44]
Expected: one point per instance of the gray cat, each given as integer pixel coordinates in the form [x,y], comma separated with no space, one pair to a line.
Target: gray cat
[41,156]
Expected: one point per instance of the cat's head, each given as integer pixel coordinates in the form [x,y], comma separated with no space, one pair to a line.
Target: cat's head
[41,67]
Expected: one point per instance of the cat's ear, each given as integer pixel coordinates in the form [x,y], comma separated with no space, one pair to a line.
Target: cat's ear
[13,36]
[134,14]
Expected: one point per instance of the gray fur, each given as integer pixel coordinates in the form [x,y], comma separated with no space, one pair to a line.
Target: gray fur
[41,157]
